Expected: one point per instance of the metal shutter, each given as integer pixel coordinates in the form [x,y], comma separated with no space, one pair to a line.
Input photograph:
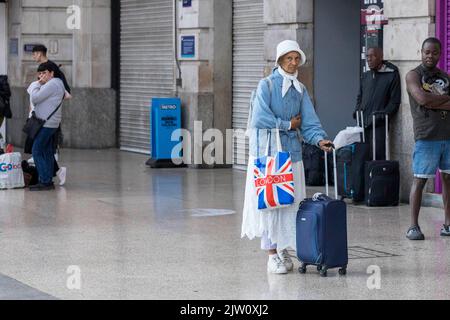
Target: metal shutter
[147,67]
[248,64]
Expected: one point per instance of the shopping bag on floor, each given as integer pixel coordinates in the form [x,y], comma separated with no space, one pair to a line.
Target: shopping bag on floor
[273,178]
[11,174]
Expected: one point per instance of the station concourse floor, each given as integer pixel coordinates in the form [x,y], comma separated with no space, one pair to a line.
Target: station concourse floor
[121,230]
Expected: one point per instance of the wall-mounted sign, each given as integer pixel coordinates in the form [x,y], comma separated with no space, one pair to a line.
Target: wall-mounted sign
[372,24]
[14,47]
[28,48]
[373,17]
[187,3]
[187,46]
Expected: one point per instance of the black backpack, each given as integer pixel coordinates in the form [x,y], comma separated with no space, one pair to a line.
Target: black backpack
[314,164]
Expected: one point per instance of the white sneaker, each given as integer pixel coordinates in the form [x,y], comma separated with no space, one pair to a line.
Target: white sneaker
[61,174]
[286,259]
[275,265]
[31,161]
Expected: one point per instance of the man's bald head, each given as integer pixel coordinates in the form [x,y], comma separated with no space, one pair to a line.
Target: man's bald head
[375,58]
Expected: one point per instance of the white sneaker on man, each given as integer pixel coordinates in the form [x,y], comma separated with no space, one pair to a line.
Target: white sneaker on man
[275,265]
[61,174]
[286,259]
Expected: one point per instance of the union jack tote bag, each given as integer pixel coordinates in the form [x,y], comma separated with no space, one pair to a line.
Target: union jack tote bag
[273,178]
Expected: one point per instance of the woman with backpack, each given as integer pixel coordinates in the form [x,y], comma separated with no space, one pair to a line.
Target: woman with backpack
[281,106]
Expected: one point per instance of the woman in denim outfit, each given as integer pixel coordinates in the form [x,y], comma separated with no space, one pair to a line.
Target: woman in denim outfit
[282,103]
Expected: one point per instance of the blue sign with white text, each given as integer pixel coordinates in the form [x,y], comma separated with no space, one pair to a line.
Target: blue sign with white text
[188,46]
[187,3]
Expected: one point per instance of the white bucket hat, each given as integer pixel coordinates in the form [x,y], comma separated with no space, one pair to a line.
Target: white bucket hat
[287,46]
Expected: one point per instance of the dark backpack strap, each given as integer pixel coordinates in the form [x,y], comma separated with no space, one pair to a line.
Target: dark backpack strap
[51,115]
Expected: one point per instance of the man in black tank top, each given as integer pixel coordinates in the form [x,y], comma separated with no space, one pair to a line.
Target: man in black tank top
[429,95]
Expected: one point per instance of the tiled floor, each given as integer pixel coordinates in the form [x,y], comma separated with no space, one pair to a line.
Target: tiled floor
[120,230]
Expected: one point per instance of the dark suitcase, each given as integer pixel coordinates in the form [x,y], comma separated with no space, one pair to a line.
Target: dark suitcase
[382,178]
[350,167]
[313,162]
[322,232]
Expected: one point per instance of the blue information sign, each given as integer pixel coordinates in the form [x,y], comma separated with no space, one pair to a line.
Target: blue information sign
[187,3]
[187,46]
[14,46]
[28,48]
[166,118]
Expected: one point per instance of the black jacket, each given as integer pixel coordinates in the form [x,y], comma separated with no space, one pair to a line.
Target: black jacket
[5,95]
[5,91]
[379,91]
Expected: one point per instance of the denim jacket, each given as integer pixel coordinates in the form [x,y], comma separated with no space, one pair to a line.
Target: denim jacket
[272,111]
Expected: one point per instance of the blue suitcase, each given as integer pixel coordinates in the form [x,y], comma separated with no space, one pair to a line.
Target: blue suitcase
[322,232]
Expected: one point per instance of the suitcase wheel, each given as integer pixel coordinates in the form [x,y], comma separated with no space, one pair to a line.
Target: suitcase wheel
[343,271]
[319,267]
[323,271]
[302,269]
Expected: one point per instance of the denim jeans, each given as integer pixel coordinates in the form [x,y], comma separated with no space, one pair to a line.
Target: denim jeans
[43,154]
[430,155]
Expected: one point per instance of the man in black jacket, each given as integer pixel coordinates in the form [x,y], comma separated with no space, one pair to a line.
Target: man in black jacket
[379,91]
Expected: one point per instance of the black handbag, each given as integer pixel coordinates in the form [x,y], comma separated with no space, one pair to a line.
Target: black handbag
[35,124]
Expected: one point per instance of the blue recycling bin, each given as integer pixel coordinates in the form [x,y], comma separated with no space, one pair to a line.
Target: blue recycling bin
[165,119]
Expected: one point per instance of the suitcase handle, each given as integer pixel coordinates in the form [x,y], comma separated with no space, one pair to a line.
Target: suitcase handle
[334,173]
[358,115]
[320,197]
[386,117]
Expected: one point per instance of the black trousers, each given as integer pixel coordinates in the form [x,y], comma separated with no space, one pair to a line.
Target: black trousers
[380,135]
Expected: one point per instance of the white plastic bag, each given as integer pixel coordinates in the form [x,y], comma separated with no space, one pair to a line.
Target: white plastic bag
[11,174]
[348,136]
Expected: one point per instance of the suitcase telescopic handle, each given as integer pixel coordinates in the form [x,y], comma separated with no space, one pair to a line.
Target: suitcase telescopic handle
[386,118]
[360,115]
[334,173]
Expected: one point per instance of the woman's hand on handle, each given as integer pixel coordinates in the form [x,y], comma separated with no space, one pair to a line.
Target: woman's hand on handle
[326,145]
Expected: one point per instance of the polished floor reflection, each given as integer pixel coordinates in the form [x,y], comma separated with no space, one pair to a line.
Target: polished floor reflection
[120,230]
